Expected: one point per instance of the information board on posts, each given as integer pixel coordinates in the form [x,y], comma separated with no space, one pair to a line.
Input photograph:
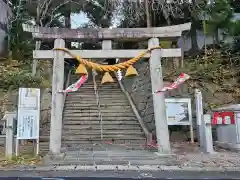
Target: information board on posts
[28,113]
[179,111]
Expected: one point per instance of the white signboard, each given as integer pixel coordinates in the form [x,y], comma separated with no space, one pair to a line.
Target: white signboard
[28,125]
[28,113]
[178,111]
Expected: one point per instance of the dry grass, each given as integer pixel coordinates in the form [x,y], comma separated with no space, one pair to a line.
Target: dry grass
[26,157]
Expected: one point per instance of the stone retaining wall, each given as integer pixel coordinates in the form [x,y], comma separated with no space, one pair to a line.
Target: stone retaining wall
[141,92]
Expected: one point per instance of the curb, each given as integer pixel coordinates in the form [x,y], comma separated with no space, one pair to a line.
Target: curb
[120,168]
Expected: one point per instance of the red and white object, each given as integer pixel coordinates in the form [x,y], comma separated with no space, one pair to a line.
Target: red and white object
[74,87]
[180,80]
[223,118]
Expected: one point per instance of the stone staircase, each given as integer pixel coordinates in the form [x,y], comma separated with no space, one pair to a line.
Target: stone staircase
[82,124]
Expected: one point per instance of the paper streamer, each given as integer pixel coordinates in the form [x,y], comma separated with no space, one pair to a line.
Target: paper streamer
[74,87]
[180,80]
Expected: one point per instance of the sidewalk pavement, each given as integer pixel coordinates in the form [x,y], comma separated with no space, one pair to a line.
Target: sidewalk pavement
[186,157]
[141,161]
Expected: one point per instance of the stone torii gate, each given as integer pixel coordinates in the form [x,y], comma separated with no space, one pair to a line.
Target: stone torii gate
[107,35]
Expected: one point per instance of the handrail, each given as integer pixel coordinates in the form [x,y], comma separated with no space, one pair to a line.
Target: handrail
[94,73]
[135,111]
[66,85]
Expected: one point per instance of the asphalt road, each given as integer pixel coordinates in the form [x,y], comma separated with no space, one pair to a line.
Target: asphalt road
[114,175]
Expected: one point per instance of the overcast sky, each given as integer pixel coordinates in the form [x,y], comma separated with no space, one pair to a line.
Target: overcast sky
[78,20]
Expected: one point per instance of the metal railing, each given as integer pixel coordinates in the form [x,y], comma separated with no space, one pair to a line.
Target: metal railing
[66,85]
[94,73]
[135,111]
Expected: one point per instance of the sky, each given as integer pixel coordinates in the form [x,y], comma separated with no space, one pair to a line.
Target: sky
[78,19]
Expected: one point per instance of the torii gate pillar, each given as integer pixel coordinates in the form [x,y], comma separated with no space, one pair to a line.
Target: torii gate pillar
[158,99]
[57,98]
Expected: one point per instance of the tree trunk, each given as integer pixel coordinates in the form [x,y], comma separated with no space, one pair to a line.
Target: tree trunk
[148,14]
[166,16]
[216,38]
[67,20]
[193,34]
[67,16]
[193,30]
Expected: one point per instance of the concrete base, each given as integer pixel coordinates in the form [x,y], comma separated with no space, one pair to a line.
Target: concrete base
[54,157]
[225,145]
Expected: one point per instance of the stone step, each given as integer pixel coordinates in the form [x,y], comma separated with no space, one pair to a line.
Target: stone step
[102,93]
[90,79]
[70,147]
[79,104]
[90,90]
[82,91]
[105,132]
[95,111]
[44,139]
[106,120]
[103,108]
[107,95]
[96,118]
[93,101]
[86,143]
[96,147]
[89,143]
[100,88]
[99,83]
[95,114]
[111,137]
[87,139]
[95,105]
[97,122]
[98,127]
[112,98]
[104,141]
[105,137]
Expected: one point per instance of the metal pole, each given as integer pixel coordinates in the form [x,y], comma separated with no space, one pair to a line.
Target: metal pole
[94,73]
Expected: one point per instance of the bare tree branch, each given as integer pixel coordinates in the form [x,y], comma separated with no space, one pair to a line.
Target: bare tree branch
[18,11]
[46,7]
[53,11]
